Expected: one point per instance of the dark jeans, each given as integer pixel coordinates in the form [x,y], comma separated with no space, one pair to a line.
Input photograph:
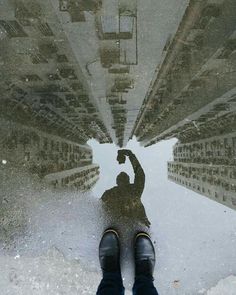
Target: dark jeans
[112,284]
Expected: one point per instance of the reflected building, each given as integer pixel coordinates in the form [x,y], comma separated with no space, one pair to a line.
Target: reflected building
[205,156]
[42,84]
[52,79]
[198,68]
[82,178]
[62,88]
[48,106]
[60,162]
[193,98]
[208,167]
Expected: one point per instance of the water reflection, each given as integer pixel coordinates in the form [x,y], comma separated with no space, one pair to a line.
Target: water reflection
[63,95]
[54,103]
[122,203]
[112,70]
[60,162]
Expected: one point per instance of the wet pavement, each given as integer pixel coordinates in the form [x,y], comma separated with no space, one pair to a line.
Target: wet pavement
[117,114]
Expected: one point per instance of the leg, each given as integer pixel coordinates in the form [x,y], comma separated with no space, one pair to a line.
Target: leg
[144,255]
[109,256]
[144,285]
[111,284]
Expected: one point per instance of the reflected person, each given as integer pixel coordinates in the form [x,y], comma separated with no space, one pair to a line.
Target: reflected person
[124,200]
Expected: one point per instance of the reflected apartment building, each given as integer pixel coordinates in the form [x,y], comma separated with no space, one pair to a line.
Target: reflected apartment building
[198,67]
[48,84]
[207,166]
[45,94]
[69,67]
[193,98]
[60,162]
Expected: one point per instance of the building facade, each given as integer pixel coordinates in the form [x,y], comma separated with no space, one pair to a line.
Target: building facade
[81,178]
[216,182]
[55,84]
[42,84]
[58,161]
[213,176]
[216,150]
[198,68]
[193,98]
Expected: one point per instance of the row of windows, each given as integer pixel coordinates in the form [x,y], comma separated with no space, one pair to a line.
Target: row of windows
[78,179]
[220,171]
[214,148]
[206,191]
[44,155]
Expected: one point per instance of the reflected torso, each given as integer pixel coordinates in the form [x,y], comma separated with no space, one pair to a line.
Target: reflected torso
[124,203]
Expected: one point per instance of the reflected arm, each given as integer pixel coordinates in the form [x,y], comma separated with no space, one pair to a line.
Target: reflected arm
[139,178]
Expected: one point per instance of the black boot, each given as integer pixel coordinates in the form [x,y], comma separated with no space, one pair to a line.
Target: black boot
[144,255]
[109,251]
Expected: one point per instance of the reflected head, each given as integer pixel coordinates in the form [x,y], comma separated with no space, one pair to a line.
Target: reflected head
[122,179]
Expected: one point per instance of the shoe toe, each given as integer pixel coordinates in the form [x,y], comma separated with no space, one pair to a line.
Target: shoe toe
[144,253]
[144,247]
[109,244]
[109,252]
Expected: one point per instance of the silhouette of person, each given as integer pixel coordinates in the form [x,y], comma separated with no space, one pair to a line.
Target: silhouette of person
[124,200]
